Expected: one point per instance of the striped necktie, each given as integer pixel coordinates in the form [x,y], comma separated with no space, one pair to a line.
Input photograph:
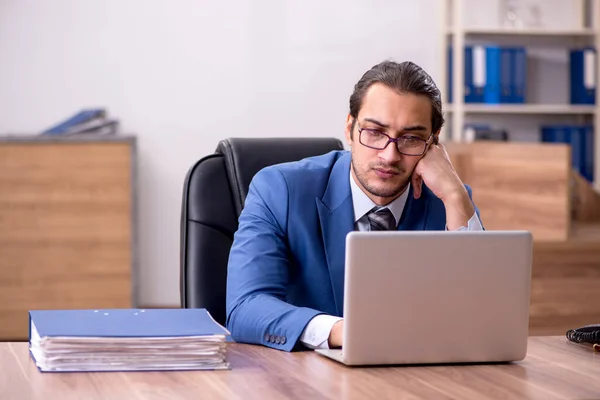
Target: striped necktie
[381,219]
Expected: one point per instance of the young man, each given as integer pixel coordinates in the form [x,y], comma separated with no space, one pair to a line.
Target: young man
[286,267]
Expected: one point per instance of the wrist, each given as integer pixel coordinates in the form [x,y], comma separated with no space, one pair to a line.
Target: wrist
[459,209]
[456,196]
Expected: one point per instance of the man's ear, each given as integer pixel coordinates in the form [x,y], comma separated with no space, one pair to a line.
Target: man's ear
[349,129]
[435,139]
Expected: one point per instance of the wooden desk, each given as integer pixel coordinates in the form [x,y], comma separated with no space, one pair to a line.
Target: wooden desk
[553,369]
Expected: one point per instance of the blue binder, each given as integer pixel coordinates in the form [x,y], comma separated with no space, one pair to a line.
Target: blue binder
[492,93]
[518,74]
[471,94]
[582,143]
[506,75]
[478,76]
[587,132]
[553,134]
[125,323]
[469,89]
[575,139]
[126,340]
[80,117]
[582,71]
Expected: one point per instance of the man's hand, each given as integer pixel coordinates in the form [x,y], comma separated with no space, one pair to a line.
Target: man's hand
[437,172]
[335,336]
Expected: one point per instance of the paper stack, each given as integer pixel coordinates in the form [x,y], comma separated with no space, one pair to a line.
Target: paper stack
[126,340]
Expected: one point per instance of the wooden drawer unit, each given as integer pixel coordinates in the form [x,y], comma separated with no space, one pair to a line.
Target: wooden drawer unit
[66,226]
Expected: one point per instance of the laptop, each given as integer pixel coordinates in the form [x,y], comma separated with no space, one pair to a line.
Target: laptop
[435,297]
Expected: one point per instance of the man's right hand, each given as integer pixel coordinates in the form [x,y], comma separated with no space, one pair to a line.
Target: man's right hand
[335,336]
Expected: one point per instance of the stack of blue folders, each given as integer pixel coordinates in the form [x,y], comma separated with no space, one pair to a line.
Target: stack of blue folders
[126,340]
[88,121]
[492,74]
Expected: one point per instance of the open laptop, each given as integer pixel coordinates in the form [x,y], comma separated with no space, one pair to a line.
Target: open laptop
[432,297]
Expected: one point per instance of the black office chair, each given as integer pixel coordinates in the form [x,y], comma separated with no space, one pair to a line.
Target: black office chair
[214,192]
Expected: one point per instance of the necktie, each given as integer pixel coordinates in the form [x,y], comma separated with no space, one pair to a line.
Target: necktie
[381,219]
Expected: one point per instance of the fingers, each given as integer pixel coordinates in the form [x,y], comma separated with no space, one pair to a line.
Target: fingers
[445,154]
[441,149]
[417,183]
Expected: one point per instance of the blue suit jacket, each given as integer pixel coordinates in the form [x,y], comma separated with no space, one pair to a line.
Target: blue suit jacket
[286,264]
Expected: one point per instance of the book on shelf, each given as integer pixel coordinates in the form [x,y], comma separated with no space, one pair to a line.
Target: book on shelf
[126,340]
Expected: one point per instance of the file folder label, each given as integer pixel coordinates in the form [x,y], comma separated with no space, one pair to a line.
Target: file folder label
[589,69]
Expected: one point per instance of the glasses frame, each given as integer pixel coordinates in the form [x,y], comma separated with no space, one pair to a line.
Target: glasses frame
[392,140]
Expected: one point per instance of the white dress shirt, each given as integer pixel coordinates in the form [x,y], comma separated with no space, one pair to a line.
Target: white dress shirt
[316,333]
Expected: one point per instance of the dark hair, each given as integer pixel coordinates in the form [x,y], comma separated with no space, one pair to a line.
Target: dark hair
[405,77]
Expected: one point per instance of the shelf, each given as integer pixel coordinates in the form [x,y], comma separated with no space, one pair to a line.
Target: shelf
[574,109]
[527,32]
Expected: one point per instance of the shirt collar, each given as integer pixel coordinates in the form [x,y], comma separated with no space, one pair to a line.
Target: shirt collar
[363,204]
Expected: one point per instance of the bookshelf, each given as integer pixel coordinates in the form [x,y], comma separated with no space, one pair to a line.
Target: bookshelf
[585,32]
[541,109]
[457,30]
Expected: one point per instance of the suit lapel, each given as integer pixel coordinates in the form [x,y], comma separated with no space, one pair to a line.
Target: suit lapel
[336,214]
[414,215]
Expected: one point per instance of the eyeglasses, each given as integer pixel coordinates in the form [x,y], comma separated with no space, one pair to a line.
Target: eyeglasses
[378,140]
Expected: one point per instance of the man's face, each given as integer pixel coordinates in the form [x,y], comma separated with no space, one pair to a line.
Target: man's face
[384,174]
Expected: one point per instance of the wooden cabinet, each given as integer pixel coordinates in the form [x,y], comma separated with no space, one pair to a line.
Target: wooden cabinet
[566,282]
[518,185]
[531,186]
[66,226]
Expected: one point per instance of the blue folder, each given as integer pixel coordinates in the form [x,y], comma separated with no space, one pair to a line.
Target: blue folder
[470,96]
[506,75]
[575,139]
[588,152]
[582,74]
[519,74]
[79,118]
[492,91]
[126,340]
[554,134]
[125,323]
[475,68]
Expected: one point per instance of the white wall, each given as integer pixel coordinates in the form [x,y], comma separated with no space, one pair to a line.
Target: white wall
[184,74]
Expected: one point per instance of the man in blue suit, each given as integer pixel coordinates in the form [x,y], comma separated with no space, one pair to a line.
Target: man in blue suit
[286,267]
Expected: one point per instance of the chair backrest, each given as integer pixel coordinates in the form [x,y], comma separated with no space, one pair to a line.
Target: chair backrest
[214,192]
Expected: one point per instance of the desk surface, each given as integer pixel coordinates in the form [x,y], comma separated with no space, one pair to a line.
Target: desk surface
[553,368]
